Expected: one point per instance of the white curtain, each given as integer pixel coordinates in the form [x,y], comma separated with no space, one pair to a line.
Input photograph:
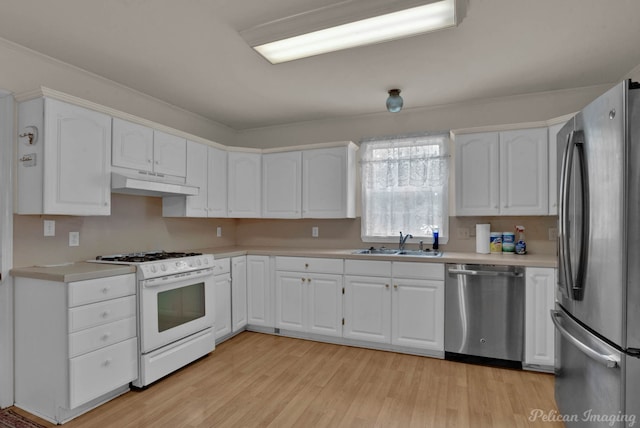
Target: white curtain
[405,187]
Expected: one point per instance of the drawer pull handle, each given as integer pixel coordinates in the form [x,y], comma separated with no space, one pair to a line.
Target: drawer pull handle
[105,290]
[107,362]
[105,314]
[106,336]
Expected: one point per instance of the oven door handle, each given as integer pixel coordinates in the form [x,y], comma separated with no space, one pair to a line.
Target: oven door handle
[172,279]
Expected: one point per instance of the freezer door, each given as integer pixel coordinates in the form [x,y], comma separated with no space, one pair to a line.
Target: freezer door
[592,215]
[589,376]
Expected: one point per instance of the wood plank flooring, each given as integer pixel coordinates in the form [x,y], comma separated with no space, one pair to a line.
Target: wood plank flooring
[259,380]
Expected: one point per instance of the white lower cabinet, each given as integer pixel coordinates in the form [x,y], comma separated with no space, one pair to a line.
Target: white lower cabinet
[222,297]
[309,295]
[403,305]
[539,330]
[85,355]
[238,293]
[259,292]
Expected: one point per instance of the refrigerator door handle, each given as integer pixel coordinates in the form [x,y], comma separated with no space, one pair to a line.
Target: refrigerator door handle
[608,360]
[573,286]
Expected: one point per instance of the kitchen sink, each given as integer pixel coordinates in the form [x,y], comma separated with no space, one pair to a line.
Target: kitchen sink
[396,252]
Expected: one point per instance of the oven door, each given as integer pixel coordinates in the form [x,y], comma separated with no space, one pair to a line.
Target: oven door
[174,307]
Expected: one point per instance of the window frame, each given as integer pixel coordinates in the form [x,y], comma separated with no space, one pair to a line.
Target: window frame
[444,144]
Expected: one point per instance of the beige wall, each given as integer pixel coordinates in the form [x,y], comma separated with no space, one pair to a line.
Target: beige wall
[135,224]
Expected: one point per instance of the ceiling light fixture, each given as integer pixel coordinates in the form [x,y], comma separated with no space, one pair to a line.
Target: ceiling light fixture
[374,29]
[395,101]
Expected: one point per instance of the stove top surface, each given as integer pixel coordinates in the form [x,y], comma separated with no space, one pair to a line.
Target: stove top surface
[149,256]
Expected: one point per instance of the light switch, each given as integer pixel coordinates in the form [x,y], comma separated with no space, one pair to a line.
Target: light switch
[314,231]
[219,231]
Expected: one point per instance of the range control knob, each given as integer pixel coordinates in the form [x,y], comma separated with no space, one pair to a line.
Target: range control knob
[163,267]
[198,262]
[153,268]
[206,260]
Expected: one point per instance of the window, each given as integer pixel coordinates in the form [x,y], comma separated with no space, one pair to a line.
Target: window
[405,187]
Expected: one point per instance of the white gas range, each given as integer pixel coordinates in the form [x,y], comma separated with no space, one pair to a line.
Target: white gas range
[175,309]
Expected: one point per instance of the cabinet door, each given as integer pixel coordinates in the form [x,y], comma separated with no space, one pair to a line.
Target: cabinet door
[324,304]
[524,185]
[77,170]
[326,183]
[539,330]
[239,292]
[197,206]
[553,168]
[367,312]
[132,145]
[244,178]
[290,301]
[169,154]
[281,185]
[259,304]
[217,182]
[417,308]
[222,300]
[477,174]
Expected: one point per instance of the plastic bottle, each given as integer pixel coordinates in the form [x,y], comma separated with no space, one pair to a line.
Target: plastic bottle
[435,238]
[521,245]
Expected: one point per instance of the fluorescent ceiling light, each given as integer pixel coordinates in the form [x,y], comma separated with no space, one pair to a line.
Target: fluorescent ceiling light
[382,28]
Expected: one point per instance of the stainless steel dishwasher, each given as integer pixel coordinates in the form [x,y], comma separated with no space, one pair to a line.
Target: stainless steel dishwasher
[484,314]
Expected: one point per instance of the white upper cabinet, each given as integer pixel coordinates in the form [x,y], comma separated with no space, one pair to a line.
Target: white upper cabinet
[502,173]
[328,182]
[206,170]
[553,168]
[524,180]
[282,185]
[141,148]
[477,174]
[67,169]
[244,184]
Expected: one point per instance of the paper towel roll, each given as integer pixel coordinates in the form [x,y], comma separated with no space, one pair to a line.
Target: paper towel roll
[483,232]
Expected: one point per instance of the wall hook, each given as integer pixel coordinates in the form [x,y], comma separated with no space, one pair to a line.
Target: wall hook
[31,134]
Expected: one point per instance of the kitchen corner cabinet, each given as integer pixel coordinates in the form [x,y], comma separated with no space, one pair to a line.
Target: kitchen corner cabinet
[502,173]
[328,182]
[553,167]
[238,293]
[67,168]
[309,295]
[282,185]
[207,170]
[244,184]
[259,292]
[539,329]
[222,297]
[86,353]
[141,148]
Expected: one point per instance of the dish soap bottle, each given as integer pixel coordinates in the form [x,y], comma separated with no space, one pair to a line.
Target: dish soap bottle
[521,245]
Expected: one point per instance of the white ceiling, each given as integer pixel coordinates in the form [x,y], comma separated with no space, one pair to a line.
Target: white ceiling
[189,53]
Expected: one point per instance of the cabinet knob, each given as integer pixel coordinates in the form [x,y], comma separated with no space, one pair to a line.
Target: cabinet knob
[386,286]
[105,314]
[106,336]
[395,286]
[107,362]
[303,280]
[105,290]
[308,279]
[148,160]
[306,265]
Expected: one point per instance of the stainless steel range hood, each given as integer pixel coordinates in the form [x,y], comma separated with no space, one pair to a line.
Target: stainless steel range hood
[121,183]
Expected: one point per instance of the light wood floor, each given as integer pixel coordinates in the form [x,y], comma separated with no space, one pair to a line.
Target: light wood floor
[259,380]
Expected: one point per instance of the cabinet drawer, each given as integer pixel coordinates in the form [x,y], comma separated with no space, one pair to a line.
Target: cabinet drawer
[104,335]
[96,290]
[96,314]
[310,264]
[418,270]
[96,373]
[221,266]
[367,267]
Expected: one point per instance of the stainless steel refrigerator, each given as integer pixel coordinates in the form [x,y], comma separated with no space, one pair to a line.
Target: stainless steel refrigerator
[597,314]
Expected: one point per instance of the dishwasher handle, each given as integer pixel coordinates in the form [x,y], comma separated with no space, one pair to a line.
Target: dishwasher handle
[485,273]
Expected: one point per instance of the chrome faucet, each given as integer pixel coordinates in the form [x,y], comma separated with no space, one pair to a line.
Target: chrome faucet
[403,240]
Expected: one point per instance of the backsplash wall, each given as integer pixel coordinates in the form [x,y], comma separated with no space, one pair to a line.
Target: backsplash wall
[135,224]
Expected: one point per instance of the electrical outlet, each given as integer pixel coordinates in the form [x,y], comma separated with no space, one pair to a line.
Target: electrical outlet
[553,234]
[314,231]
[74,239]
[49,228]
[219,231]
[462,233]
